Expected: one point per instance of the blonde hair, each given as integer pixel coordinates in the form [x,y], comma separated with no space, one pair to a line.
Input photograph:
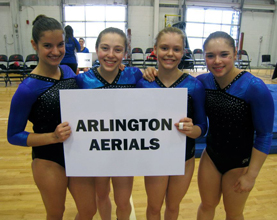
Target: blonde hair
[170,30]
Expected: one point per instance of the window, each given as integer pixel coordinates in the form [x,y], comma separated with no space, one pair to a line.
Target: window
[200,22]
[88,21]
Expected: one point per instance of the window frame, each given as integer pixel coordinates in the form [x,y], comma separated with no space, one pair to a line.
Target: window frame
[90,39]
[199,39]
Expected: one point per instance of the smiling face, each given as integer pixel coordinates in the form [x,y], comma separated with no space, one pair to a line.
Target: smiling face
[81,42]
[110,52]
[169,50]
[50,47]
[220,57]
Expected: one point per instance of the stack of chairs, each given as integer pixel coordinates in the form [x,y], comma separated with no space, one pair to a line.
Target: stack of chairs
[138,58]
[15,67]
[3,68]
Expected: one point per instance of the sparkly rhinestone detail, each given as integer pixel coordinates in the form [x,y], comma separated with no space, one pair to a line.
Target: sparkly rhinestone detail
[230,123]
[227,87]
[45,113]
[112,85]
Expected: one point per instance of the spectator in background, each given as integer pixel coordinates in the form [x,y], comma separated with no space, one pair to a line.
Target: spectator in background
[83,48]
[71,46]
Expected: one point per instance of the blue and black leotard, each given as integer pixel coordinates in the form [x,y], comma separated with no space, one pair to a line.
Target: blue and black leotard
[196,101]
[37,100]
[127,78]
[240,117]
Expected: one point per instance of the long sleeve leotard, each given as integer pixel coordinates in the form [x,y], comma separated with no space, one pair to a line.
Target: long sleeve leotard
[127,78]
[37,100]
[240,117]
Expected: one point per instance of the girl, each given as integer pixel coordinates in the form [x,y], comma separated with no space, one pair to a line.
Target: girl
[82,45]
[238,106]
[72,46]
[37,100]
[82,50]
[111,46]
[169,48]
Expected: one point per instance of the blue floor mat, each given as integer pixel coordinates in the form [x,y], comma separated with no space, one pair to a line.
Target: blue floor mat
[273,89]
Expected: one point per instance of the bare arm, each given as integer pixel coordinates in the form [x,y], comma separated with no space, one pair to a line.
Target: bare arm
[61,133]
[150,73]
[246,182]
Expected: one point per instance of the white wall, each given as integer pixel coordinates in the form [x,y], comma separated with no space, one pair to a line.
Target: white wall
[6,35]
[29,13]
[141,23]
[140,20]
[256,25]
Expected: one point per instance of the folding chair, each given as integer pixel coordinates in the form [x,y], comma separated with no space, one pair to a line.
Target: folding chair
[243,61]
[3,68]
[266,62]
[138,57]
[31,62]
[150,58]
[127,61]
[15,67]
[187,61]
[198,59]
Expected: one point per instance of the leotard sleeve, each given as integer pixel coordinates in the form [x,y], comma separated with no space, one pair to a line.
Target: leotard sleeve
[198,97]
[138,74]
[262,107]
[21,105]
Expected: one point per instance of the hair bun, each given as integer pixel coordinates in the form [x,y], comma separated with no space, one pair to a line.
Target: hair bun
[38,18]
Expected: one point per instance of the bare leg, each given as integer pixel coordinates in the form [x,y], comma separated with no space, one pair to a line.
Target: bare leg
[156,189]
[176,190]
[52,183]
[209,183]
[102,186]
[233,202]
[122,187]
[83,192]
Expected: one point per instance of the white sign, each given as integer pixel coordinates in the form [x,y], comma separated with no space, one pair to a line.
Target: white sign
[84,60]
[124,132]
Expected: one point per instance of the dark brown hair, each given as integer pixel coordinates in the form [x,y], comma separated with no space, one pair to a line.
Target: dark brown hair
[220,34]
[111,30]
[43,23]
